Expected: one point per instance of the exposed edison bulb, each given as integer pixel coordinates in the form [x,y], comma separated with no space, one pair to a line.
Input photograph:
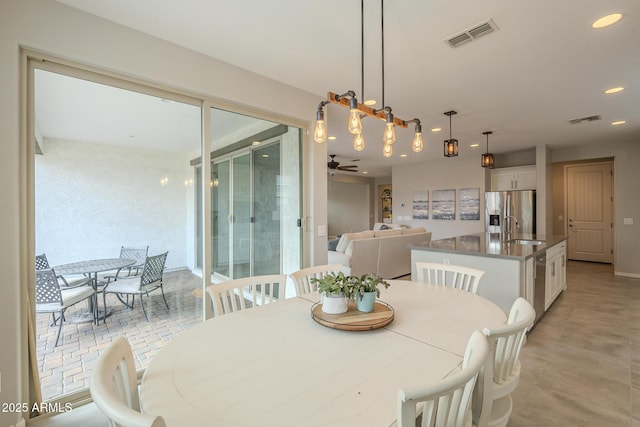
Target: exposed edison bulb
[355,123]
[320,131]
[387,150]
[358,142]
[417,144]
[389,136]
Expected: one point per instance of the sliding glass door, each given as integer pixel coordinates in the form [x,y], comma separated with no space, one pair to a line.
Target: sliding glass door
[255,197]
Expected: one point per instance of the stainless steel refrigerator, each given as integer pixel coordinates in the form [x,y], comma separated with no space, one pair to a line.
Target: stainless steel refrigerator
[510,212]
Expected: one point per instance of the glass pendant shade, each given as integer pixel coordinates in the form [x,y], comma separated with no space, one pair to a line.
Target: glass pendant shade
[387,150]
[417,145]
[389,136]
[355,123]
[320,131]
[358,142]
[450,147]
[487,160]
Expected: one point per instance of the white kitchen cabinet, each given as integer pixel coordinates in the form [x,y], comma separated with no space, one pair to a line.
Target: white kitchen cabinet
[556,271]
[516,178]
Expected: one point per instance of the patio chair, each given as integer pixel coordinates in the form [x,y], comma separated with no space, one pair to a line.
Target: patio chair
[52,298]
[150,280]
[137,254]
[233,295]
[114,388]
[42,263]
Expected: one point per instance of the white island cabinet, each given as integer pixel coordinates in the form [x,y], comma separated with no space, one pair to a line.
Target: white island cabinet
[511,269]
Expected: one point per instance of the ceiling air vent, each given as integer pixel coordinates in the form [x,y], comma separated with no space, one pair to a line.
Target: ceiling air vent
[473,33]
[585,119]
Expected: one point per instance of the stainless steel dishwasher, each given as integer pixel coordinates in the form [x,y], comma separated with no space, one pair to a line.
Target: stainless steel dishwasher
[540,284]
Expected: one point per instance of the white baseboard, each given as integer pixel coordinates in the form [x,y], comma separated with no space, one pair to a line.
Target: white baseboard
[623,274]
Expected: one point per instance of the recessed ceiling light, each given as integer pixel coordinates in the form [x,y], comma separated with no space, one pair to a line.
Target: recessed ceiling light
[474,145]
[370,102]
[605,21]
[331,138]
[614,90]
[255,143]
[619,122]
[365,172]
[436,129]
[403,155]
[265,155]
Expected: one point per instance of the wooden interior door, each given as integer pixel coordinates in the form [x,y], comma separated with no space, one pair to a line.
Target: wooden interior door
[589,211]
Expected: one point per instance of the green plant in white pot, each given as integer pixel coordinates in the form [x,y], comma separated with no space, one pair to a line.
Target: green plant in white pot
[366,290]
[334,291]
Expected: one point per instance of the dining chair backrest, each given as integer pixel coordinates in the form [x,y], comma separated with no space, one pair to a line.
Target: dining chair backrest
[42,263]
[302,278]
[502,371]
[453,276]
[153,269]
[448,402]
[47,289]
[114,388]
[247,292]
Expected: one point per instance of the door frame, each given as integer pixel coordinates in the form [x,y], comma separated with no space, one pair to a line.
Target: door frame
[590,162]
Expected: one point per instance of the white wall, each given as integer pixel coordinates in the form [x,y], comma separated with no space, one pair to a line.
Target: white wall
[439,174]
[92,199]
[348,207]
[56,29]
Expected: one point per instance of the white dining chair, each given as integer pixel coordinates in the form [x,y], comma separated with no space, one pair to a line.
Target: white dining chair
[492,397]
[453,276]
[114,388]
[448,402]
[302,278]
[247,292]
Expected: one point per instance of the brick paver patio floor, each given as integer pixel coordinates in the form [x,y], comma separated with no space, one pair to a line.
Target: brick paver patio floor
[67,368]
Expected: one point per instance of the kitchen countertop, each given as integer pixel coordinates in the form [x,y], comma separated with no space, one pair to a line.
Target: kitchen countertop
[492,245]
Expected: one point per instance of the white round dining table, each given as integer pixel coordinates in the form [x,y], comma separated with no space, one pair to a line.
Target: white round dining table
[273,365]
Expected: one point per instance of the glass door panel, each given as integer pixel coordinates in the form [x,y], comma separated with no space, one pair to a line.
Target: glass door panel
[266,207]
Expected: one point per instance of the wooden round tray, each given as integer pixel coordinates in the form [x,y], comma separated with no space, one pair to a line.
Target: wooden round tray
[354,320]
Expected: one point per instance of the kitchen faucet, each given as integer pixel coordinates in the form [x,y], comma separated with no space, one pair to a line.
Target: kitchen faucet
[507,229]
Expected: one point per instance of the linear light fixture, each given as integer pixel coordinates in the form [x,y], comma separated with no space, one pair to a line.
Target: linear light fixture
[357,110]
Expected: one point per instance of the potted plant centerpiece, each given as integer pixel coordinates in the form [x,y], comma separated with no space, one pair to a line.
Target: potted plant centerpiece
[334,289]
[365,290]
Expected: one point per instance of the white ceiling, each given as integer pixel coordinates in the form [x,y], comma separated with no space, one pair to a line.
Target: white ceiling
[543,67]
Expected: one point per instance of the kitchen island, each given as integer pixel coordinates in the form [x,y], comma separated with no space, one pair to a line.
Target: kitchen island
[528,266]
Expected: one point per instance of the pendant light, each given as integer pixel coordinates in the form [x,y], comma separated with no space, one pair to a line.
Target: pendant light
[358,111]
[450,145]
[487,157]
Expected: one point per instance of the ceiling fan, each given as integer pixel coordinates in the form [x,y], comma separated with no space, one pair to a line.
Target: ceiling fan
[335,166]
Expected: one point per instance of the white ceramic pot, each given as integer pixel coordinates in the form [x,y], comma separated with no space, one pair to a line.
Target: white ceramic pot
[334,303]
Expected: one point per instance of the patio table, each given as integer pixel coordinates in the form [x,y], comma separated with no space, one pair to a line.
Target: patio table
[91,268]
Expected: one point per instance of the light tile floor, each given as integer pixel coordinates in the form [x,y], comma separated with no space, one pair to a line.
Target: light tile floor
[580,365]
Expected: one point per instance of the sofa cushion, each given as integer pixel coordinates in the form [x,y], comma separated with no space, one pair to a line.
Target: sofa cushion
[388,233]
[339,258]
[348,237]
